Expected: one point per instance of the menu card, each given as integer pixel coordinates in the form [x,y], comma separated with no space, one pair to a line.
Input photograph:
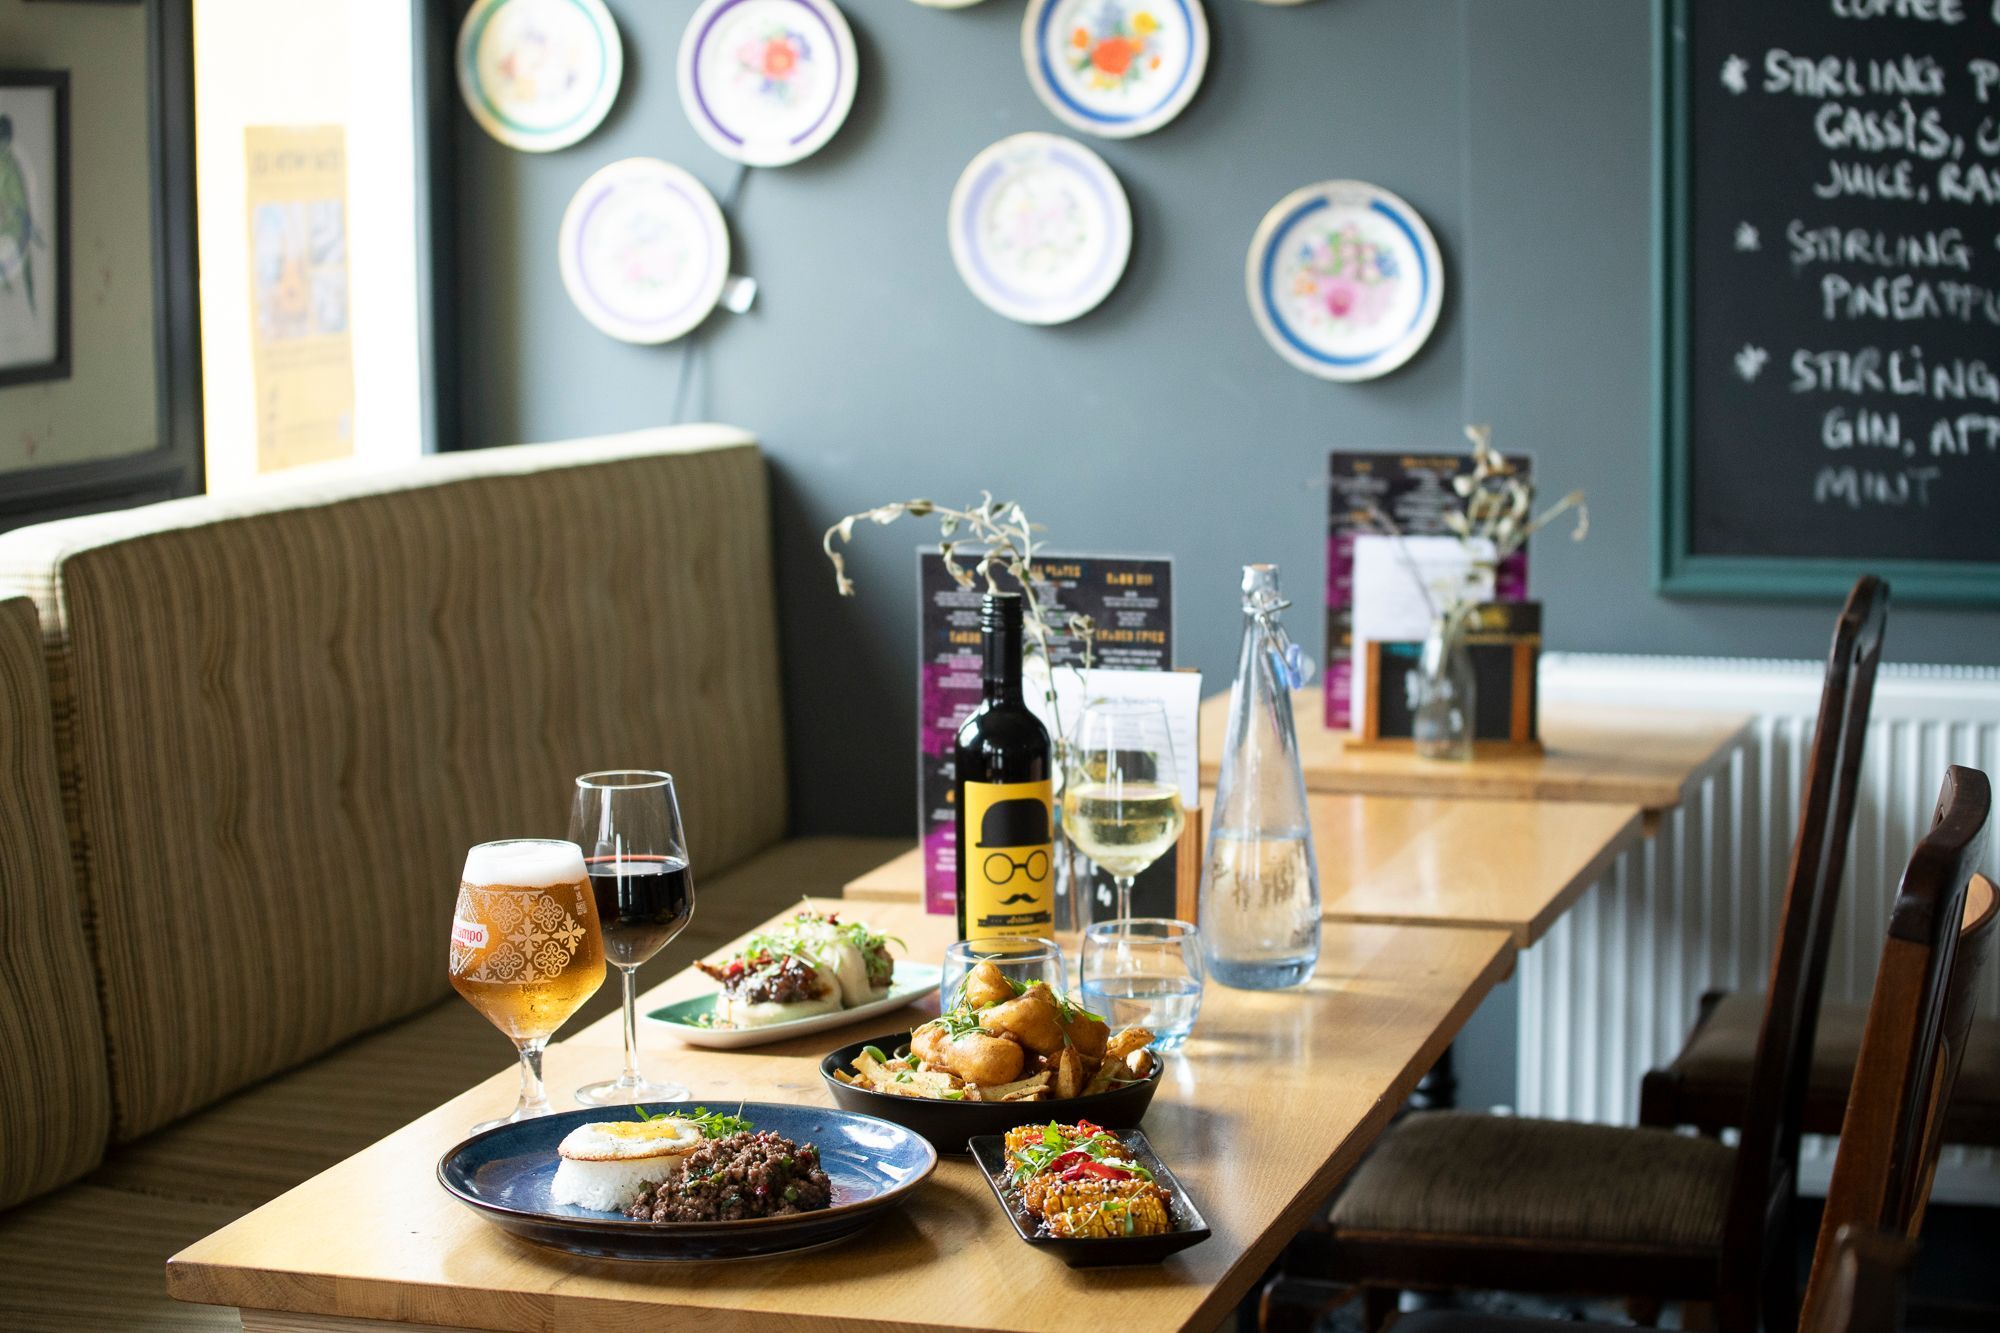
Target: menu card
[1130,600]
[1415,491]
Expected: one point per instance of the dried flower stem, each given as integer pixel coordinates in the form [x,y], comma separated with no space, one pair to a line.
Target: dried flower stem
[1498,510]
[978,543]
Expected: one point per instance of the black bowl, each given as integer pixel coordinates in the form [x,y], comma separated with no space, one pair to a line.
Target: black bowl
[949,1124]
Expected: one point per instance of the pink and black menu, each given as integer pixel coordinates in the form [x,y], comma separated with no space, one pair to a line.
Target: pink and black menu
[1415,491]
[1129,598]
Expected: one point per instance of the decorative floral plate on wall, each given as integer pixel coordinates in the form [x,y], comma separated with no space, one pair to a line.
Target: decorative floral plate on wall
[1345,280]
[539,74]
[643,250]
[1115,68]
[767,82]
[1040,228]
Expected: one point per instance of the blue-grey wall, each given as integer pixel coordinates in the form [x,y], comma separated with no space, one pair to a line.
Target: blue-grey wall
[1519,128]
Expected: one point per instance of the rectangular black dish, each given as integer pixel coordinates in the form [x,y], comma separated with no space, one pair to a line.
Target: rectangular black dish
[990,1151]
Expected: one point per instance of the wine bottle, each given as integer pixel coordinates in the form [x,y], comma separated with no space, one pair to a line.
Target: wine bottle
[1003,794]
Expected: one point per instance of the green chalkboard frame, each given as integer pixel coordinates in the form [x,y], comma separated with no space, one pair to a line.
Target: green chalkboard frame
[1678,571]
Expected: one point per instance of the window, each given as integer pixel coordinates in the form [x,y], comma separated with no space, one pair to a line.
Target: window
[307,138]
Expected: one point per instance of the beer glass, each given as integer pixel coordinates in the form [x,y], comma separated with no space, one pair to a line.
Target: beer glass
[629,826]
[525,948]
[1121,795]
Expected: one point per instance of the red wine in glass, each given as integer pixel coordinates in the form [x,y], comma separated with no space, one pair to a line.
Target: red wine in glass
[642,902]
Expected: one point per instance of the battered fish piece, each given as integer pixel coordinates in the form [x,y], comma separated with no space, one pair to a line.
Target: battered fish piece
[1033,1020]
[984,985]
[1085,1033]
[976,1056]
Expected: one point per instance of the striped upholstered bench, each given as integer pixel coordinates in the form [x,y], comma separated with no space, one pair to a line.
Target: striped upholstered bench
[278,722]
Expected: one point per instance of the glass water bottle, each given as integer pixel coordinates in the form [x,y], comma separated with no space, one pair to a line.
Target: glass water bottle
[1259,881]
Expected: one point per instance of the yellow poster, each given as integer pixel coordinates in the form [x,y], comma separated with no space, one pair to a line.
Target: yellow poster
[301,350]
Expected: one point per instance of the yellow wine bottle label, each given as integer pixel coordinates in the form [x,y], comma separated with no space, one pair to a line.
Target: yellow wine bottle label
[1010,882]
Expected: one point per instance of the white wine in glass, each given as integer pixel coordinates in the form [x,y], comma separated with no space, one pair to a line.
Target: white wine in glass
[1121,803]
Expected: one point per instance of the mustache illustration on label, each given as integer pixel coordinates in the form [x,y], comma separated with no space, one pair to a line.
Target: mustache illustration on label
[1013,898]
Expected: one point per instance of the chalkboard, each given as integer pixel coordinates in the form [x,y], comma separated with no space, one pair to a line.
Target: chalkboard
[1830,297]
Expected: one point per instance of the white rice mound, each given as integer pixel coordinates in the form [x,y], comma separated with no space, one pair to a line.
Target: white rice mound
[607,1187]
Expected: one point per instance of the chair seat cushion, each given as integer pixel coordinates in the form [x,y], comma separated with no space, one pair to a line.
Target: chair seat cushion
[88,1257]
[1454,1174]
[1722,1049]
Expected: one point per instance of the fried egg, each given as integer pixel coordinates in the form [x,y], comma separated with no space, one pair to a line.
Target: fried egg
[630,1140]
[605,1164]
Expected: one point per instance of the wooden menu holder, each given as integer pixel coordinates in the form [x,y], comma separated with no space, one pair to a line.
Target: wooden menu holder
[1505,642]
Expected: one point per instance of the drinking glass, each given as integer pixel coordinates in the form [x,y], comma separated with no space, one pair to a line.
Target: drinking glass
[629,826]
[1121,794]
[1145,972]
[1022,959]
[525,948]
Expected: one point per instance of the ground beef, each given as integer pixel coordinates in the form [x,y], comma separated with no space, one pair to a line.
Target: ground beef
[744,1175]
[768,978]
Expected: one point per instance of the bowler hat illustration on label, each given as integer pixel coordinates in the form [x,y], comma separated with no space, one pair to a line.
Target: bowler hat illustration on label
[1021,822]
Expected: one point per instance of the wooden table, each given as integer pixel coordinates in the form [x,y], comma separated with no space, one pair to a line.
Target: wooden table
[1271,1104]
[1650,758]
[1504,865]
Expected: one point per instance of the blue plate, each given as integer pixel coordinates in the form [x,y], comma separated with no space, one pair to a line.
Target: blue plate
[504,1175]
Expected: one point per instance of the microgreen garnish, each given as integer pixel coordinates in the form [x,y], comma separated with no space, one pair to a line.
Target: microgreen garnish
[712,1124]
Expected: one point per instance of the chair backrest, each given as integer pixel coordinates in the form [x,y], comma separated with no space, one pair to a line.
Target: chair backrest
[1859,1287]
[55,1105]
[1941,941]
[282,717]
[1764,1185]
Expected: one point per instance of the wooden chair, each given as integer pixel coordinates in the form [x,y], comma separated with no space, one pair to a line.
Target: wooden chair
[1459,1200]
[1708,1083]
[1940,943]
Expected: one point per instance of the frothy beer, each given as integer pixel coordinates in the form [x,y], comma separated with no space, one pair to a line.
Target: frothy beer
[526,950]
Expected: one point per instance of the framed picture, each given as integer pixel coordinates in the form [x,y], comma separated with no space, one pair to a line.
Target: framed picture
[34,226]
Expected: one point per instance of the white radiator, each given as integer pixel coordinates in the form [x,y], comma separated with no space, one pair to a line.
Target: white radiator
[1611,991]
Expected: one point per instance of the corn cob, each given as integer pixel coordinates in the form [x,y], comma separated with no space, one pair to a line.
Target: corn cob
[1142,1215]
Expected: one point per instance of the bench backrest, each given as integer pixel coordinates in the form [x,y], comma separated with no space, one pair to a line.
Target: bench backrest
[55,1108]
[283,717]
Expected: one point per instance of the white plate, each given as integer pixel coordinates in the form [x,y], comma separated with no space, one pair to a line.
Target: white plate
[539,74]
[1040,228]
[643,250]
[767,82]
[1344,280]
[912,982]
[1115,68]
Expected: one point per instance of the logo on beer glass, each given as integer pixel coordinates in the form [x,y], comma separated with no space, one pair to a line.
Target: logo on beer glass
[521,939]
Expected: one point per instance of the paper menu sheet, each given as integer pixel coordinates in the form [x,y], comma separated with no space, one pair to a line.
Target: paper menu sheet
[1178,693]
[1390,603]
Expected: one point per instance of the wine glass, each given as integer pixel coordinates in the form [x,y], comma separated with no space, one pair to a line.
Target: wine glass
[1022,959]
[1121,793]
[1145,972]
[629,826]
[525,948]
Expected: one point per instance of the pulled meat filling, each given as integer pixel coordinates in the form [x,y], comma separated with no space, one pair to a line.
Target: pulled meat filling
[768,978]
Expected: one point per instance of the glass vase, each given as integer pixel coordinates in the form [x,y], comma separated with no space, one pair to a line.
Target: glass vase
[1443,694]
[1259,879]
